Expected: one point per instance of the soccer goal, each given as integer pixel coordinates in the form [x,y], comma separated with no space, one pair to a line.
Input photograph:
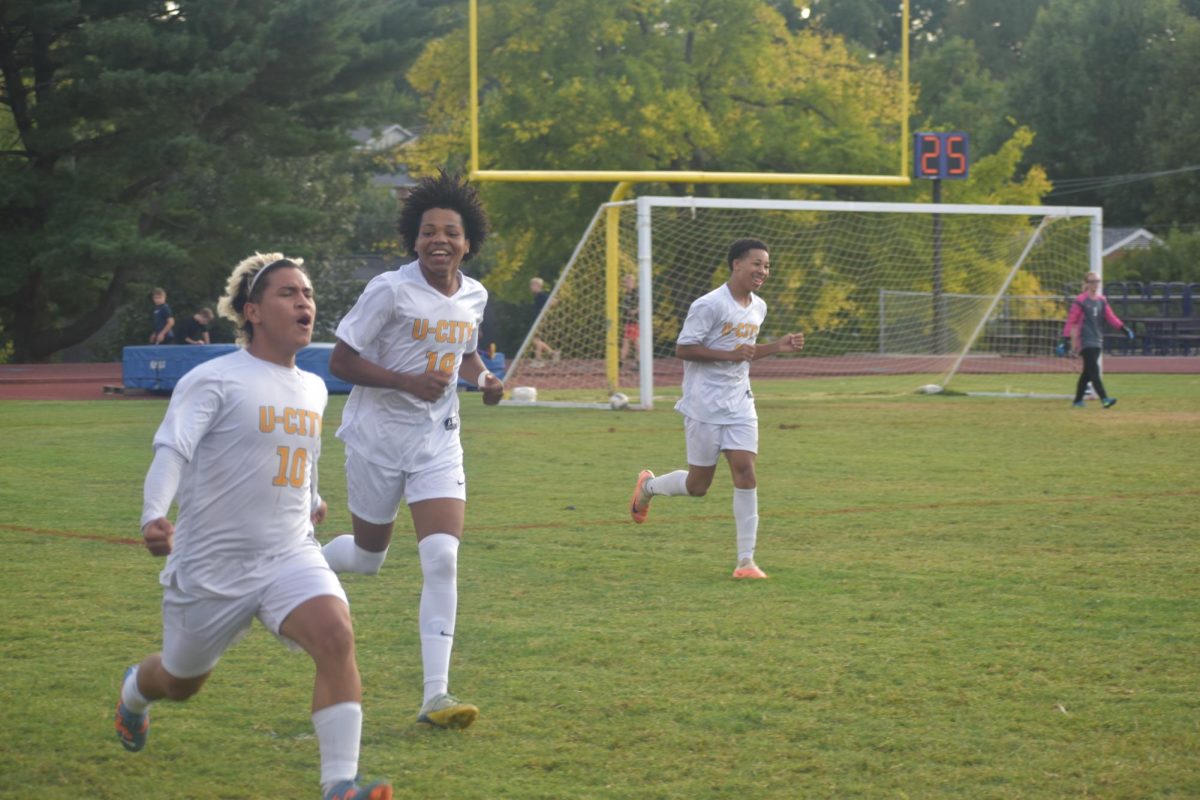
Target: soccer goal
[891,297]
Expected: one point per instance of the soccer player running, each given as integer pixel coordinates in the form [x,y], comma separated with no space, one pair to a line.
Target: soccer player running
[717,344]
[239,445]
[403,345]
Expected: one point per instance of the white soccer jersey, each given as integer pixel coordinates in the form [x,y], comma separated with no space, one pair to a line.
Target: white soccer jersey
[250,431]
[402,323]
[719,391]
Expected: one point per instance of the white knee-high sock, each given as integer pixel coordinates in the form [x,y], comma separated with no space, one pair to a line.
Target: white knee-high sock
[344,555]
[745,519]
[131,696]
[339,732]
[673,484]
[439,607]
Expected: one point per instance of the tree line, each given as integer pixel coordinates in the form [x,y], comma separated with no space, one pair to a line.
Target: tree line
[147,143]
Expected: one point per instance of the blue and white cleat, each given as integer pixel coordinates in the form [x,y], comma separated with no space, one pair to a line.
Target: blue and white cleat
[132,729]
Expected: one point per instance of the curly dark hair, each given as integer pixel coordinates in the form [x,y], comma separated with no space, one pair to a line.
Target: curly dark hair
[450,191]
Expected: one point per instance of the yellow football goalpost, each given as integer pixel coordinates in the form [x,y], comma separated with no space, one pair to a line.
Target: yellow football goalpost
[625,180]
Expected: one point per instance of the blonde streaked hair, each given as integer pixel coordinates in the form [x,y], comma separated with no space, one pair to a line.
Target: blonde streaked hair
[244,286]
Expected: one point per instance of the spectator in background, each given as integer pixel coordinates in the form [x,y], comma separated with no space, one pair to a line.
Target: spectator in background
[1085,329]
[164,318]
[195,329]
[538,287]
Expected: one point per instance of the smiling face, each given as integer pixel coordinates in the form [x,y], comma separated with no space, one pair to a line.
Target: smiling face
[749,271]
[441,246]
[284,316]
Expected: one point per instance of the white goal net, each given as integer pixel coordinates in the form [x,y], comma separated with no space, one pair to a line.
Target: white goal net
[890,296]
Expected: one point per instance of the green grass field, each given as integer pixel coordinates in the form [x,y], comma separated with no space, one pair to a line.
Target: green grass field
[969,598]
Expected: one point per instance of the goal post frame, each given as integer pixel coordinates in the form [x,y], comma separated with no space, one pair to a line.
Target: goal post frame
[645,255]
[621,240]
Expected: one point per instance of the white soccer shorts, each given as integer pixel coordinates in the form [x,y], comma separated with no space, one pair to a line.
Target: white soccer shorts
[374,493]
[707,440]
[198,630]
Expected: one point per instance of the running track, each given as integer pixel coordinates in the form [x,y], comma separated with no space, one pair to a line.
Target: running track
[88,381]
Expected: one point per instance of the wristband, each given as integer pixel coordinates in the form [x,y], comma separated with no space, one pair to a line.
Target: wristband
[483,376]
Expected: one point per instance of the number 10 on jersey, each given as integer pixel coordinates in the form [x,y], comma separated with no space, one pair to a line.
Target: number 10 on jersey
[293,466]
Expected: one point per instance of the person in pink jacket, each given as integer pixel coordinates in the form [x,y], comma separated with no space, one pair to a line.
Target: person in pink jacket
[1085,330]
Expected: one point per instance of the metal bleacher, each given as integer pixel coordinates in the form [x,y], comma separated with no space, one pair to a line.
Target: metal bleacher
[1165,316]
[1153,299]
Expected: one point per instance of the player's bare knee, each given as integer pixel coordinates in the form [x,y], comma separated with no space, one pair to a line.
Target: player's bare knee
[333,642]
[744,477]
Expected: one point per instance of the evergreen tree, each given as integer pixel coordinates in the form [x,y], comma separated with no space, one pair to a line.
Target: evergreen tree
[151,142]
